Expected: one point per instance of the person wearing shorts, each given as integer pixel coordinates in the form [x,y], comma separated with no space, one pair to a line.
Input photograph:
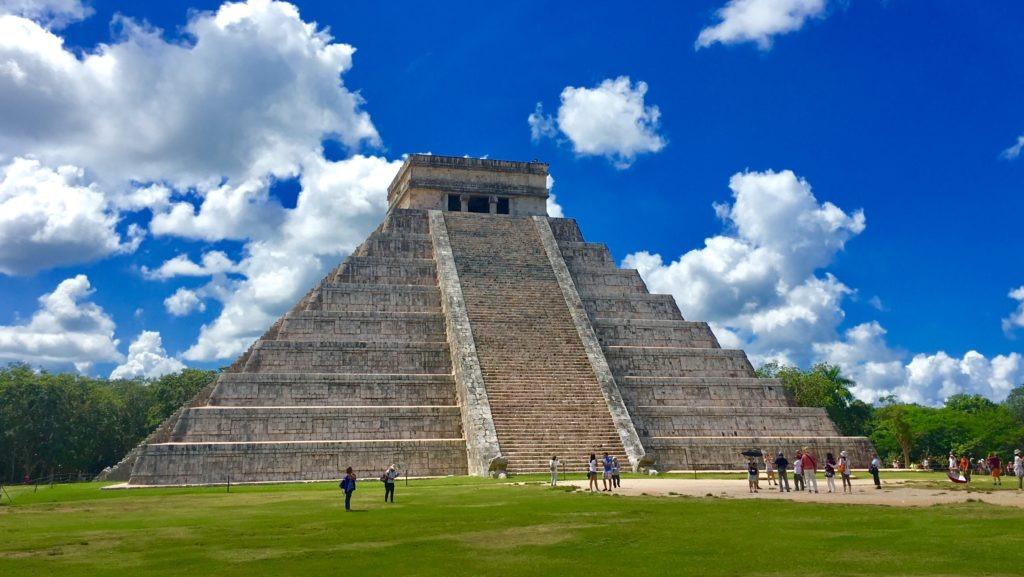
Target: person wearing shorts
[606,463]
[844,471]
[592,473]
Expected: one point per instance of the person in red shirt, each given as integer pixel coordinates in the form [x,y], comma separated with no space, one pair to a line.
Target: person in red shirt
[997,471]
[810,466]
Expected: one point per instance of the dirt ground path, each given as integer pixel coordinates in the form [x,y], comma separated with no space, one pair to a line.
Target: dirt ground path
[893,493]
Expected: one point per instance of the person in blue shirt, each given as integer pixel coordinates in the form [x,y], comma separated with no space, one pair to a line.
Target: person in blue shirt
[607,461]
[348,485]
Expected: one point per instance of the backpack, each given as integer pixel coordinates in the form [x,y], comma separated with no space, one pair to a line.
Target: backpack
[343,483]
[384,478]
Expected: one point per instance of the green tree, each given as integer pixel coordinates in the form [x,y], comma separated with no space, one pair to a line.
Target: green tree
[965,403]
[1015,402]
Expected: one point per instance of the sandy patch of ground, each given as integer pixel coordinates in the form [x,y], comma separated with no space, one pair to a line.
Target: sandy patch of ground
[892,493]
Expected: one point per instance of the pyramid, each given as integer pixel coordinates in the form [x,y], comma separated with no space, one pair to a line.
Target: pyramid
[470,334]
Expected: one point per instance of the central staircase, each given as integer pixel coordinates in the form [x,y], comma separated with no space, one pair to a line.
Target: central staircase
[545,399]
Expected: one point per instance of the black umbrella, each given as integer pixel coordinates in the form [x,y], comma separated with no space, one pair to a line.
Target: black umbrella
[752,453]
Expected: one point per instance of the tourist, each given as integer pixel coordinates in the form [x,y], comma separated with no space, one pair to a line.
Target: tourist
[798,471]
[965,467]
[752,475]
[389,477]
[606,464]
[830,472]
[844,471]
[1018,468]
[995,466]
[592,472]
[953,468]
[553,465]
[810,467]
[348,485]
[873,469]
[616,479]
[769,471]
[781,463]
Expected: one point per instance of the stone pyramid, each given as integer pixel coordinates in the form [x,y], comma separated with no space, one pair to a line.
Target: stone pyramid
[470,333]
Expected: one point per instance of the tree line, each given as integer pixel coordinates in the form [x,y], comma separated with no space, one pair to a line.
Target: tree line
[66,424]
[910,433]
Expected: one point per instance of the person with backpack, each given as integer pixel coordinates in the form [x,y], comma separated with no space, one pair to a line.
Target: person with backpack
[830,472]
[388,478]
[844,471]
[348,485]
[781,463]
[752,475]
[616,478]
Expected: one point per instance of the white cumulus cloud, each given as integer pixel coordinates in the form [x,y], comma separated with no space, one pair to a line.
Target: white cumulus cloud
[50,217]
[764,288]
[66,330]
[610,120]
[758,21]
[146,359]
[250,91]
[54,14]
[1014,151]
[183,302]
[212,263]
[1016,318]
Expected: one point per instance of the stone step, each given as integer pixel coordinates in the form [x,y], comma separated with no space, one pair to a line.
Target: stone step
[209,463]
[716,453]
[677,362]
[253,424]
[703,391]
[666,421]
[655,332]
[409,221]
[353,297]
[580,254]
[362,326]
[379,270]
[349,357]
[387,244]
[312,389]
[608,282]
[565,230]
[649,306]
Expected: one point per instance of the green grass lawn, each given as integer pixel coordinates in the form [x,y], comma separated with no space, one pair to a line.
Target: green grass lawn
[465,526]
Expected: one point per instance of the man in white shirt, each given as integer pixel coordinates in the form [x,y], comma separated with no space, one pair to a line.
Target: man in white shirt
[875,464]
[554,470]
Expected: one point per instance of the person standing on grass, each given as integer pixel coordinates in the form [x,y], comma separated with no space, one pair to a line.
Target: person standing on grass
[553,465]
[781,463]
[389,477]
[616,479]
[830,472]
[348,485]
[769,471]
[965,467]
[592,473]
[875,464]
[606,468]
[995,466]
[798,471]
[844,471]
[1018,468]
[810,466]
[953,468]
[752,475]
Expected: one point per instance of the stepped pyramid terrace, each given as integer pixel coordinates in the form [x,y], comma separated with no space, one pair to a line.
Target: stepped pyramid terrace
[470,334]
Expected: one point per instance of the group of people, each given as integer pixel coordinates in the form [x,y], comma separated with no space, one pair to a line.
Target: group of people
[991,465]
[609,465]
[805,471]
[388,477]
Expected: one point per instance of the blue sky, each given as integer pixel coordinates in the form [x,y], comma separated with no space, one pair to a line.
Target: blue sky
[897,109]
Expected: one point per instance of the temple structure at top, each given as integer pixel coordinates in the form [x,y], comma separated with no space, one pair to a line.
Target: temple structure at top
[470,334]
